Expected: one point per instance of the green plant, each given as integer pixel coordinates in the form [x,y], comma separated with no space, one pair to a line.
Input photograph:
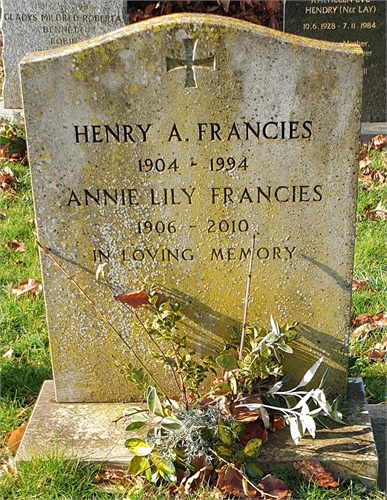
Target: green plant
[198,433]
[12,137]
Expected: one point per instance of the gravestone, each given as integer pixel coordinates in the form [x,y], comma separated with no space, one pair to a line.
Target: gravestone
[32,25]
[161,149]
[351,21]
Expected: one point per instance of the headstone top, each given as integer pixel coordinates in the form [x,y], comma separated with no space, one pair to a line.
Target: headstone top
[170,143]
[42,25]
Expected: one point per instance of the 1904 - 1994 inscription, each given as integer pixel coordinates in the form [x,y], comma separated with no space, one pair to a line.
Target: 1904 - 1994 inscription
[179,140]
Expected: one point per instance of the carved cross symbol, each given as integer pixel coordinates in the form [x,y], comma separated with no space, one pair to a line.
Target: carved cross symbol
[190,63]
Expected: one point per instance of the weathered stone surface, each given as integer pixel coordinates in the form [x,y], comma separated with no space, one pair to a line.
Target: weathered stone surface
[39,25]
[362,22]
[161,148]
[90,432]
[378,414]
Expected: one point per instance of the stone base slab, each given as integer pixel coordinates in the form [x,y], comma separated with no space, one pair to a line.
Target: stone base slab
[95,433]
[369,130]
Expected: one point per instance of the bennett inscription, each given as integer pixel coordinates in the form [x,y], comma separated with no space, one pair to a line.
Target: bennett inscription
[166,174]
[34,26]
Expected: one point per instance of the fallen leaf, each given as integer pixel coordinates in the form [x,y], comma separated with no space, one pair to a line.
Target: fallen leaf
[9,354]
[112,476]
[230,481]
[16,246]
[362,331]
[275,487]
[2,215]
[30,287]
[359,285]
[366,323]
[380,211]
[7,178]
[361,319]
[242,413]
[138,299]
[200,477]
[312,470]
[253,430]
[8,466]
[379,142]
[379,352]
[15,437]
[278,423]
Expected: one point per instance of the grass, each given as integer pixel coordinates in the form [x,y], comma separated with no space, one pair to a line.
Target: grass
[23,333]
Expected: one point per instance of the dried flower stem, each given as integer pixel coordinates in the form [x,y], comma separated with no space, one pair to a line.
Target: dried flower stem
[247,297]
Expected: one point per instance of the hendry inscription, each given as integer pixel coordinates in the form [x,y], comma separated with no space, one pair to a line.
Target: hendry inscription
[350,21]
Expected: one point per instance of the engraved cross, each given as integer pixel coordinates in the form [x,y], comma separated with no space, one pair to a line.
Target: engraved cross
[190,63]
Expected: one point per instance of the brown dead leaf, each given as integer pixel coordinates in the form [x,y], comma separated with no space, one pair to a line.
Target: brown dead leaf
[312,470]
[380,212]
[242,413]
[14,438]
[200,477]
[15,246]
[359,285]
[366,323]
[379,142]
[138,298]
[30,287]
[253,430]
[362,331]
[230,482]
[275,487]
[278,423]
[361,319]
[112,476]
[7,178]
[2,215]
[8,466]
[379,352]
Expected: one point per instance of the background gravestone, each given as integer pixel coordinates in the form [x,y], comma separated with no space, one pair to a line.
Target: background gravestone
[362,22]
[179,138]
[30,25]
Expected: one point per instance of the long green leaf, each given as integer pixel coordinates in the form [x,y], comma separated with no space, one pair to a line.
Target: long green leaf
[309,374]
[136,425]
[153,402]
[170,424]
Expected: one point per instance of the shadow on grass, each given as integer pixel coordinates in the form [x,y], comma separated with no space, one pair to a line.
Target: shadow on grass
[21,380]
